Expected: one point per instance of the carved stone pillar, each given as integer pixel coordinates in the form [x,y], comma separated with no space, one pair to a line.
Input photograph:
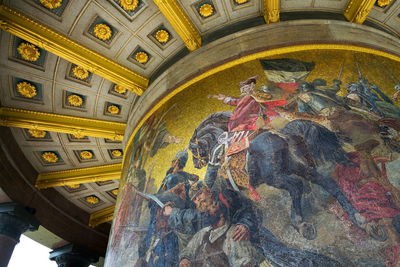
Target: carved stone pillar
[15,219]
[72,256]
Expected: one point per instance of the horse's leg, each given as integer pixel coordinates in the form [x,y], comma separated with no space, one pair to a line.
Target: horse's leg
[330,186]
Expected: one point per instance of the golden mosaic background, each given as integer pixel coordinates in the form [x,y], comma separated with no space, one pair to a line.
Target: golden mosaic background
[192,105]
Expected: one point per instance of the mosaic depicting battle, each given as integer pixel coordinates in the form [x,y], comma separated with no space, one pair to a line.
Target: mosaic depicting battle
[295,174]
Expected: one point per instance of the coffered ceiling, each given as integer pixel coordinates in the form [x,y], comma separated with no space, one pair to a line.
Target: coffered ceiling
[137,37]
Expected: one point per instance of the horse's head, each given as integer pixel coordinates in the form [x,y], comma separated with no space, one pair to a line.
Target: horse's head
[200,152]
[205,137]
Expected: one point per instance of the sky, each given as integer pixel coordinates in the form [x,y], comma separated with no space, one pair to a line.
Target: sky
[30,253]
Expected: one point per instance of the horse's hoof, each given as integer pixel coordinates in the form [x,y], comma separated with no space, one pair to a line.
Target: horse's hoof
[377,232]
[307,230]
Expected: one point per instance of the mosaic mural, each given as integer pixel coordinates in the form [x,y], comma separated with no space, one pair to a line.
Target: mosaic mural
[282,161]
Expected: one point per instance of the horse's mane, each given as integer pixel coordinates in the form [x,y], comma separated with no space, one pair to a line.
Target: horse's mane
[217,120]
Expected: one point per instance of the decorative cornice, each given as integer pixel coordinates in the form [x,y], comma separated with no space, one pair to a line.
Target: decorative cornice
[41,36]
[12,117]
[271,10]
[181,23]
[357,10]
[101,216]
[79,176]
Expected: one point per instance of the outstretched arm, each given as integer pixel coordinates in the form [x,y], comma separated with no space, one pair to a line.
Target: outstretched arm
[226,99]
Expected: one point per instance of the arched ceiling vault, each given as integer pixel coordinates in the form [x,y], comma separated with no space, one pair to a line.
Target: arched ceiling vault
[72,72]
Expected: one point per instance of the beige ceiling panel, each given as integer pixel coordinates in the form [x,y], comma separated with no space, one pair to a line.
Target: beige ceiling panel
[147,33]
[132,23]
[83,32]
[66,78]
[385,14]
[394,22]
[112,157]
[62,23]
[10,97]
[287,5]
[9,59]
[338,5]
[209,24]
[145,69]
[103,111]
[70,140]
[24,139]
[33,154]
[107,90]
[63,106]
[240,12]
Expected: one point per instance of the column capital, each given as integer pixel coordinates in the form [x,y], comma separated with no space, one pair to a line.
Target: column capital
[73,256]
[16,219]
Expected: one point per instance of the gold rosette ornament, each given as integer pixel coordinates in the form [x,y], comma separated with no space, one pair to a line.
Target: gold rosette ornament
[92,200]
[241,1]
[102,31]
[26,89]
[28,52]
[74,186]
[50,157]
[129,5]
[116,153]
[162,36]
[113,109]
[115,192]
[75,100]
[141,57]
[383,3]
[206,10]
[86,154]
[37,133]
[51,4]
[80,73]
[120,89]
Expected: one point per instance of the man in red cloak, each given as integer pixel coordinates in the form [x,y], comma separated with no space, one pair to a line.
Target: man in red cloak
[251,111]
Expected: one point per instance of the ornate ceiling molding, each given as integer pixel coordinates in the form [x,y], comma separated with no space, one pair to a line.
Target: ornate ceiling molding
[357,10]
[101,216]
[79,176]
[12,117]
[40,35]
[181,23]
[271,10]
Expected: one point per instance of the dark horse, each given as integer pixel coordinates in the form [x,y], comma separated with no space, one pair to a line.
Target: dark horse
[302,148]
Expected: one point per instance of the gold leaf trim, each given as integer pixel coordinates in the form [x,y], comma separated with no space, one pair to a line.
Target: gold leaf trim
[26,89]
[28,52]
[75,100]
[102,31]
[142,57]
[50,157]
[51,4]
[37,133]
[206,10]
[162,36]
[86,154]
[80,72]
[129,5]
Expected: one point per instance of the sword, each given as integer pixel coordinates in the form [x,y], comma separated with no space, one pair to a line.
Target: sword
[149,197]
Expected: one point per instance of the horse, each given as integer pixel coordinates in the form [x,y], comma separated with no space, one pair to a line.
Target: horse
[278,157]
